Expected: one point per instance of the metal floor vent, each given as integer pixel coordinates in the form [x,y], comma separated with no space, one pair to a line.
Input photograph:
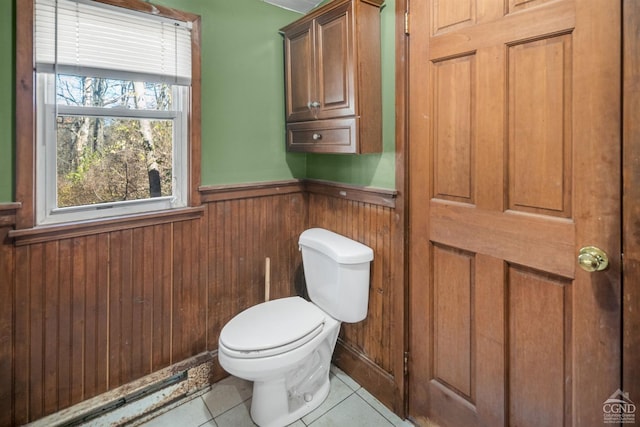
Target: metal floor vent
[125,400]
[300,6]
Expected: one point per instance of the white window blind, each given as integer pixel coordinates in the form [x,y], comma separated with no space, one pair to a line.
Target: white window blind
[88,38]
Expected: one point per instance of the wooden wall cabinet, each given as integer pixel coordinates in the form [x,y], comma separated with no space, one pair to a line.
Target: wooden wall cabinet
[332,79]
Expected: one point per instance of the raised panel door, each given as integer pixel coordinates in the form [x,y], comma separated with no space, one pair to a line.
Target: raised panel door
[514,142]
[335,63]
[300,72]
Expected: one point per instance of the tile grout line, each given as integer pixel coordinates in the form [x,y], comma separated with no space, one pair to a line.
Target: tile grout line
[348,385]
[336,404]
[372,407]
[231,408]
[208,410]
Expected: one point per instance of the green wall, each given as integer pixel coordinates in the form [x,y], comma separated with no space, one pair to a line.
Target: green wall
[243,126]
[242,91]
[375,170]
[6,100]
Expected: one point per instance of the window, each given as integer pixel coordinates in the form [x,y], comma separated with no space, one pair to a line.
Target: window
[112,111]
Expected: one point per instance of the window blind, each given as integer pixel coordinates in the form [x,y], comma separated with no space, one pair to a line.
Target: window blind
[88,38]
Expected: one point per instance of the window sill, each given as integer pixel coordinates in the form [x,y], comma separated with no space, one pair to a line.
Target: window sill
[84,228]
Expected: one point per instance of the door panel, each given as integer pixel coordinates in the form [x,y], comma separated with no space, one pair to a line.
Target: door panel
[453,131]
[539,325]
[514,165]
[539,126]
[452,339]
[451,14]
[300,79]
[335,63]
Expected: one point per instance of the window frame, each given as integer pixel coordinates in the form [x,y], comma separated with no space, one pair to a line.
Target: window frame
[26,122]
[47,210]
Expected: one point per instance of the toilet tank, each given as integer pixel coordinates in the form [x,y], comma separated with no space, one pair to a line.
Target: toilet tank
[336,270]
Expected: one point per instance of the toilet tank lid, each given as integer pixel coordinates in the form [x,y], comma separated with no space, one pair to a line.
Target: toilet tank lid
[339,248]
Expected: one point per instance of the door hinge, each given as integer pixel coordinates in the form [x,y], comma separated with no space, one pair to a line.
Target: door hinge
[406,23]
[406,363]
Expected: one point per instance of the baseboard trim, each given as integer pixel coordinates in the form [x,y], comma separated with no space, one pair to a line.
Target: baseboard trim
[375,380]
[200,372]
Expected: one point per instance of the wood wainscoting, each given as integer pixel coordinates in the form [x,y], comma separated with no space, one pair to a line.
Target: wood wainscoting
[84,312]
[97,311]
[371,351]
[7,263]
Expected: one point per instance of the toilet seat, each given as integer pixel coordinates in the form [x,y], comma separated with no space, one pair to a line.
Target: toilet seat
[272,328]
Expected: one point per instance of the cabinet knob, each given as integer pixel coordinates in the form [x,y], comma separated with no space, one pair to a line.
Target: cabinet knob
[317,136]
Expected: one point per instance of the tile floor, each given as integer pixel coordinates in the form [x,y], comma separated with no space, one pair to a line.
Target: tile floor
[227,405]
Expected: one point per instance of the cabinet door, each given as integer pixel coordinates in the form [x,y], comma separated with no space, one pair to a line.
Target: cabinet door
[300,72]
[335,63]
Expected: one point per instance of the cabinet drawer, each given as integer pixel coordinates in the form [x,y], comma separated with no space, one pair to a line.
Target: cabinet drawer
[323,136]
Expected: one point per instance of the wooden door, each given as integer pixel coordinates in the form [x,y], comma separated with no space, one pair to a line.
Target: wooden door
[514,110]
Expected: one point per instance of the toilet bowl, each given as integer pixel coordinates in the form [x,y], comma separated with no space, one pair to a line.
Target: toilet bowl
[285,346]
[290,379]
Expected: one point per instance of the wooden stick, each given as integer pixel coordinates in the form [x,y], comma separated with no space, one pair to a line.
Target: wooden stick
[267,278]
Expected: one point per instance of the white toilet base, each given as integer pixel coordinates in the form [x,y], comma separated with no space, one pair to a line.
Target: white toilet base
[288,386]
[266,412]
[281,401]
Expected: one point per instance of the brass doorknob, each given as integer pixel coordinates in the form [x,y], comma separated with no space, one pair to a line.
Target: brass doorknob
[592,259]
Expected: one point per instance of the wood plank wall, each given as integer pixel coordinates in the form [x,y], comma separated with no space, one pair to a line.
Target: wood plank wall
[93,312]
[371,351]
[7,221]
[97,311]
[369,225]
[237,249]
[84,314]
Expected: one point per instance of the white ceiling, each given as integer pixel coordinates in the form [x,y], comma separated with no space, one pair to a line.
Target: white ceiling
[300,6]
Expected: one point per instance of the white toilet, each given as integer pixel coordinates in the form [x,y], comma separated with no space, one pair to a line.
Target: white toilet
[284,346]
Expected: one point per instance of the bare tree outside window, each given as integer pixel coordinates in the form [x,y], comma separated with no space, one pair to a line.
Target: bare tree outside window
[104,158]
